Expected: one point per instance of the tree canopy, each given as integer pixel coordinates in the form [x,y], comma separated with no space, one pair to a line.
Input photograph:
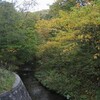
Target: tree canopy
[17,36]
[69,54]
[65,41]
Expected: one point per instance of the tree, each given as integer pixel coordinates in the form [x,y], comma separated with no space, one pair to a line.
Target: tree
[64,5]
[17,40]
[8,23]
[69,61]
[67,5]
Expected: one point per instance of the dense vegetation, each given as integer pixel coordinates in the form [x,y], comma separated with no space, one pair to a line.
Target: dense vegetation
[17,41]
[7,80]
[65,41]
[70,52]
[17,36]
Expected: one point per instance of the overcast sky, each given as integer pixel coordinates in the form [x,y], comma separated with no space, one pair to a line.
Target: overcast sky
[41,4]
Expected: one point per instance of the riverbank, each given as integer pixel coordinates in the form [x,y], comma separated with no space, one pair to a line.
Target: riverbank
[36,90]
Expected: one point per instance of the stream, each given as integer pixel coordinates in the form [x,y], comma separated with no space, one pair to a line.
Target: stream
[36,90]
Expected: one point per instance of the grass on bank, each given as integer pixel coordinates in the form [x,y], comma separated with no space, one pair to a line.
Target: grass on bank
[6,80]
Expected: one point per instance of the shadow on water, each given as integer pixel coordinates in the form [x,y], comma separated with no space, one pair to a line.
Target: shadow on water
[36,90]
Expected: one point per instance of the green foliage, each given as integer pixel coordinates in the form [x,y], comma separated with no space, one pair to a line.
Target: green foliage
[64,5]
[17,36]
[69,57]
[44,14]
[67,5]
[7,80]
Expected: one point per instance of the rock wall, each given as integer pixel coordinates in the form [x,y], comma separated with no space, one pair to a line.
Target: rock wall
[18,91]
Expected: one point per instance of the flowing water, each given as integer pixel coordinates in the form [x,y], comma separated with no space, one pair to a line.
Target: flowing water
[36,90]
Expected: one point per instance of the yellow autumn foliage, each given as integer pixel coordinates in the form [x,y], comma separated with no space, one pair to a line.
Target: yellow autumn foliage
[72,51]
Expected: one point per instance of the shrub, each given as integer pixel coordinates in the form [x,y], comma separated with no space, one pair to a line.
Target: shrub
[7,80]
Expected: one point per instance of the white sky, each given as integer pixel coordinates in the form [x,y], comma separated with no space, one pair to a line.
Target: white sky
[42,4]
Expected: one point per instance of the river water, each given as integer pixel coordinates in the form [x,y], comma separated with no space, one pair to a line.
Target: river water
[36,90]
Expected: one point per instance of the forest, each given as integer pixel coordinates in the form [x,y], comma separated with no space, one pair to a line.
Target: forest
[61,44]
